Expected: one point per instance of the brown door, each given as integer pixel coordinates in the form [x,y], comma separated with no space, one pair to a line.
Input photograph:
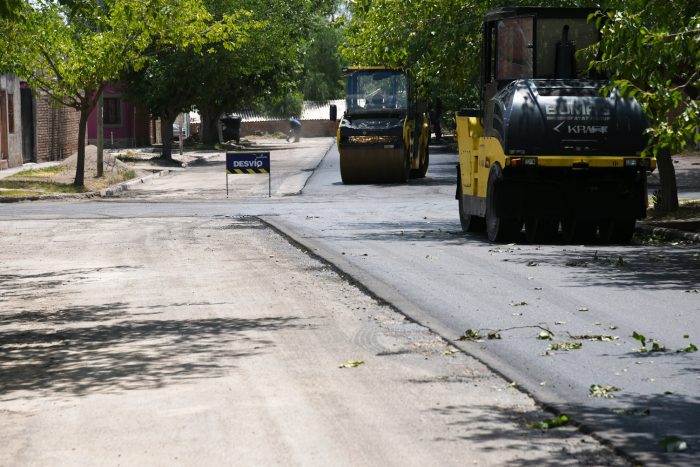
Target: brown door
[28,145]
[4,149]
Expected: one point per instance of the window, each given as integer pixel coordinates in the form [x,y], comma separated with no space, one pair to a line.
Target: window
[10,113]
[514,48]
[580,32]
[112,111]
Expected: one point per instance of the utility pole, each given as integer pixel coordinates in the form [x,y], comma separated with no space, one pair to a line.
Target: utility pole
[100,121]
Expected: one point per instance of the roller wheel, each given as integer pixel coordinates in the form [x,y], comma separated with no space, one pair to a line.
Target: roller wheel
[469,222]
[404,171]
[616,230]
[578,230]
[541,229]
[423,169]
[498,229]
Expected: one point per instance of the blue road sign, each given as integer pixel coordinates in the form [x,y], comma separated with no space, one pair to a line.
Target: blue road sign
[247,162]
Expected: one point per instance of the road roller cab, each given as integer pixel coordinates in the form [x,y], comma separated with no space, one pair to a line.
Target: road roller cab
[547,147]
[383,135]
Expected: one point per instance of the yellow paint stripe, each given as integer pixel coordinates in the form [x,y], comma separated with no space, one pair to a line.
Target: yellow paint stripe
[247,171]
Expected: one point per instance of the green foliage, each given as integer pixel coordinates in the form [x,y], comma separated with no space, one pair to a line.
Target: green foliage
[323,77]
[70,50]
[651,51]
[437,40]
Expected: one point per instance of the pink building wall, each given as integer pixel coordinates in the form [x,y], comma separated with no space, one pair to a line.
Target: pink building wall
[125,124]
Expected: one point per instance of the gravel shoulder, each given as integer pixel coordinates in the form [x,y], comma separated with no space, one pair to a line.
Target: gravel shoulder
[185,341]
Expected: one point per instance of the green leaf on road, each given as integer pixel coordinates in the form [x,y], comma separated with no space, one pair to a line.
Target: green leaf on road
[545,336]
[550,423]
[471,335]
[690,348]
[673,444]
[606,392]
[565,346]
[352,364]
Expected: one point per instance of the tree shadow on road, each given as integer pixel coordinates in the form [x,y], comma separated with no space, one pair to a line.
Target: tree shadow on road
[635,425]
[632,267]
[128,354]
[25,285]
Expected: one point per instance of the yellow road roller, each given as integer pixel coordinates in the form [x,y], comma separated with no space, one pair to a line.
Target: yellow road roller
[383,135]
[549,145]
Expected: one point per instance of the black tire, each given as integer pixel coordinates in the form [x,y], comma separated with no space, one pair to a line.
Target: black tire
[616,230]
[575,230]
[541,229]
[498,229]
[470,223]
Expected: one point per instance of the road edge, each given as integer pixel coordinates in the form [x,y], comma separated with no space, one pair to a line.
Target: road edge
[387,295]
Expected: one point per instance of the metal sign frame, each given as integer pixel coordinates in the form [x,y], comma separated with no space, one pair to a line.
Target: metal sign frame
[249,162]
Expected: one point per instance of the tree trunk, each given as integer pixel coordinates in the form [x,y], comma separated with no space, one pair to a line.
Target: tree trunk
[668,198]
[80,164]
[166,134]
[209,131]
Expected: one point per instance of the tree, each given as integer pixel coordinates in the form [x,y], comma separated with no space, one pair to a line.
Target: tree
[651,51]
[265,72]
[71,49]
[323,68]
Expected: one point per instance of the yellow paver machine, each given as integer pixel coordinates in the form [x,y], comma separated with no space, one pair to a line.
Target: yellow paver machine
[384,134]
[547,147]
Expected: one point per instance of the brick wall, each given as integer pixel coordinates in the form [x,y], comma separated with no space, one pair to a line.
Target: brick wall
[56,130]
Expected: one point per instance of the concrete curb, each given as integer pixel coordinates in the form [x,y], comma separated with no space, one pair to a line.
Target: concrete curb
[669,234]
[118,188]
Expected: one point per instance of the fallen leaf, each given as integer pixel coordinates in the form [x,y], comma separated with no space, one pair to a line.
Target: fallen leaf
[605,392]
[550,423]
[565,346]
[545,335]
[673,444]
[690,348]
[352,364]
[471,335]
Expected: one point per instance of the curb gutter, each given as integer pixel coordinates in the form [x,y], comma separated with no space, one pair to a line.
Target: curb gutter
[669,234]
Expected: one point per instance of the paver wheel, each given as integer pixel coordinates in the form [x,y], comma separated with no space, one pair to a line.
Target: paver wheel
[498,229]
[576,230]
[541,229]
[470,223]
[616,230]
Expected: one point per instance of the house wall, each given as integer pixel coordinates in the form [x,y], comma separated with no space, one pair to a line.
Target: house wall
[56,130]
[309,128]
[132,130]
[10,138]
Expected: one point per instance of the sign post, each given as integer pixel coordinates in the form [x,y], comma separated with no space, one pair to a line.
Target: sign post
[248,162]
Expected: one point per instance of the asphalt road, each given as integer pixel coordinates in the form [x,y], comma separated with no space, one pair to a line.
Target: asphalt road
[403,242]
